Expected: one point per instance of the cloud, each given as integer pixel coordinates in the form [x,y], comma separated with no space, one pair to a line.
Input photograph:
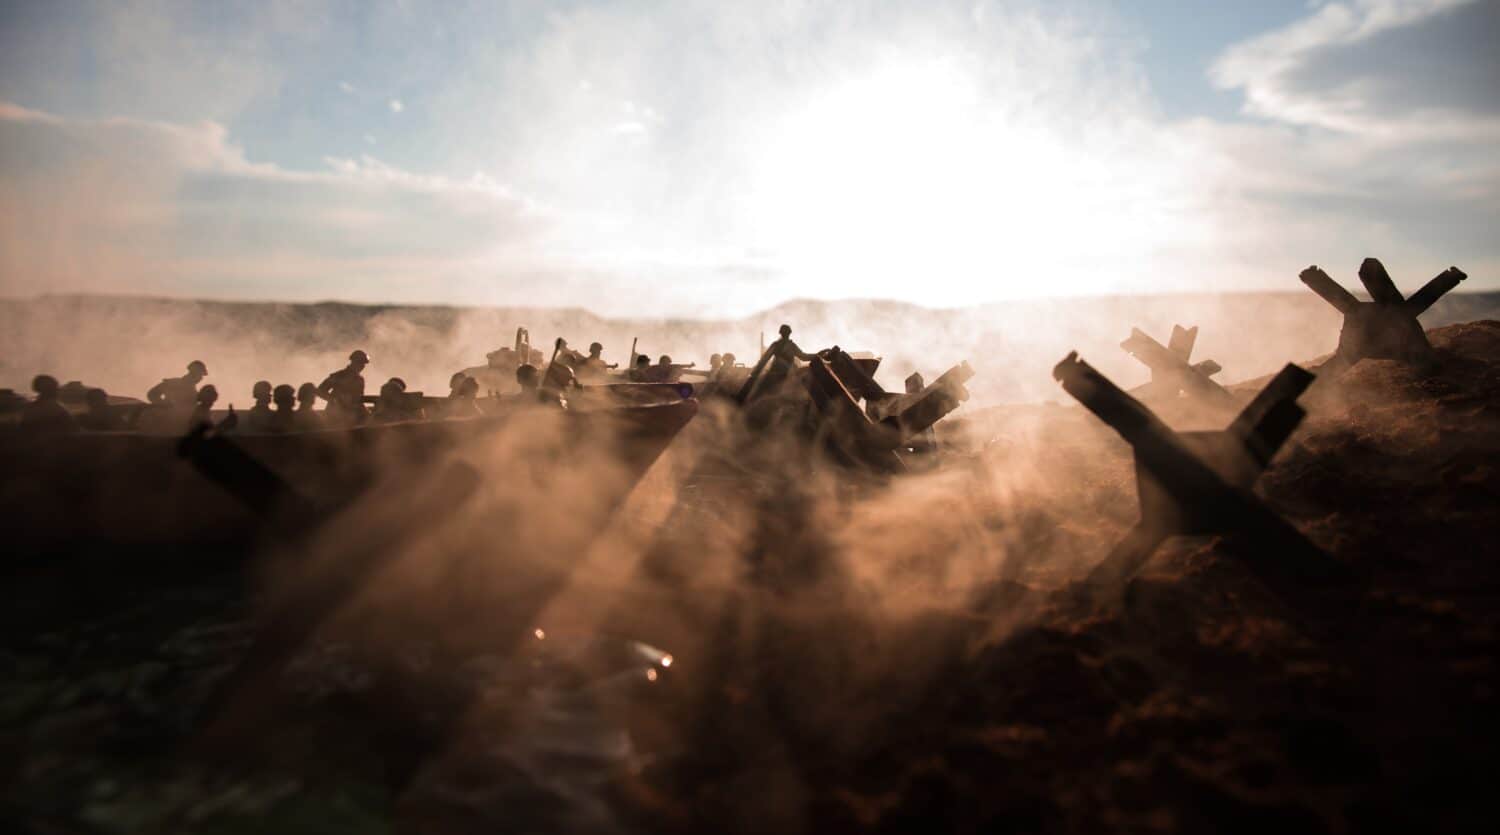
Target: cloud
[1396,70]
[177,208]
[720,158]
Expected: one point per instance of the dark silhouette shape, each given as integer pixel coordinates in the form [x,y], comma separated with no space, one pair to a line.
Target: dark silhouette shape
[284,418]
[259,419]
[641,373]
[390,406]
[1198,483]
[593,368]
[179,392]
[45,415]
[454,383]
[775,365]
[101,417]
[528,378]
[203,409]
[1171,373]
[715,361]
[307,417]
[1385,327]
[345,392]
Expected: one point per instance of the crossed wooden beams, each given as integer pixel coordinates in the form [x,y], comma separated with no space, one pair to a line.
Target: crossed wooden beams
[1171,372]
[1385,327]
[1199,483]
[837,383]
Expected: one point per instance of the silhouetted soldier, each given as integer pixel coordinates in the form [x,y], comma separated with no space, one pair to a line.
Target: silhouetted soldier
[389,407]
[529,379]
[45,415]
[259,419]
[714,363]
[345,392]
[642,371]
[775,365]
[203,409]
[594,367]
[461,401]
[100,417]
[179,392]
[456,382]
[284,418]
[307,417]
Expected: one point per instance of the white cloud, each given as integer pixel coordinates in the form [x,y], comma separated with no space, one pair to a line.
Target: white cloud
[161,207]
[396,106]
[346,87]
[1395,70]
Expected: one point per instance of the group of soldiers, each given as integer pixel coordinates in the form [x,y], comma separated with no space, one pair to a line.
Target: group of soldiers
[182,402]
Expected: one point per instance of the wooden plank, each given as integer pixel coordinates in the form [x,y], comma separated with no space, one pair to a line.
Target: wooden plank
[1319,282]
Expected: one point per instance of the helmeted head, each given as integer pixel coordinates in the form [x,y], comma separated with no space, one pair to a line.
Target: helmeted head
[456,380]
[285,397]
[45,386]
[307,394]
[526,375]
[97,399]
[393,387]
[359,359]
[197,370]
[642,361]
[208,395]
[261,391]
[714,361]
[664,360]
[595,349]
[469,388]
[786,330]
[727,361]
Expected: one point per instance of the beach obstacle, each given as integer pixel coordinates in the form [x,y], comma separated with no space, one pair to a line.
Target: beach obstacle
[1199,483]
[1173,374]
[1385,327]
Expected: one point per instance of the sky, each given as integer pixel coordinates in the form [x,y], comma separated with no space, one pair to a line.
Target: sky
[716,158]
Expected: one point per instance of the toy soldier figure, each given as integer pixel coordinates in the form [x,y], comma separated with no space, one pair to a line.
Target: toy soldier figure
[179,392]
[593,367]
[100,417]
[774,365]
[45,415]
[259,419]
[284,418]
[307,417]
[641,373]
[345,392]
[389,407]
[203,410]
[530,380]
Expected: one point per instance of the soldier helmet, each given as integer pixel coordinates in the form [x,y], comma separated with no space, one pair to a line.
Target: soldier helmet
[284,394]
[595,348]
[44,385]
[262,388]
[208,394]
[786,330]
[458,377]
[360,356]
[198,366]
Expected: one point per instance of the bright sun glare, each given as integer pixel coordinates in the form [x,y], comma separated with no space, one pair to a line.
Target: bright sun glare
[917,171]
